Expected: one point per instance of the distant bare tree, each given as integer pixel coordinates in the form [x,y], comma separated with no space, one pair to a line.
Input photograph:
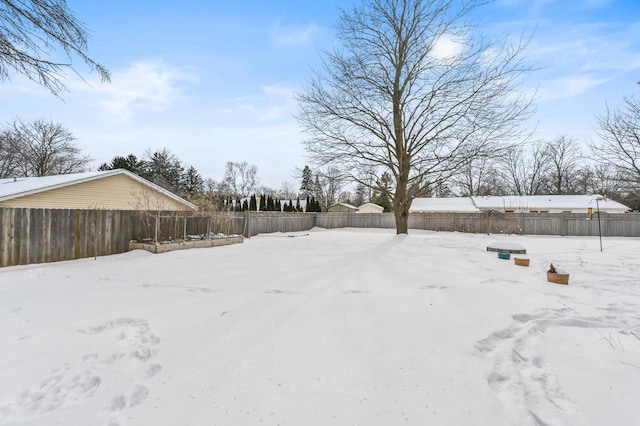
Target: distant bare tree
[328,184]
[32,34]
[525,168]
[390,97]
[288,191]
[479,176]
[564,157]
[45,148]
[240,178]
[620,138]
[606,179]
[9,154]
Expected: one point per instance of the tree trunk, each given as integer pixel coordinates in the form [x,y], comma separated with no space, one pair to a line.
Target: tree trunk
[401,206]
[402,220]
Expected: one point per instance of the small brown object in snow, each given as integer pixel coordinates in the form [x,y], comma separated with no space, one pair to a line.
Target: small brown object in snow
[552,269]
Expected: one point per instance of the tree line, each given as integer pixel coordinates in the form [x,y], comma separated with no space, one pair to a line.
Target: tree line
[553,167]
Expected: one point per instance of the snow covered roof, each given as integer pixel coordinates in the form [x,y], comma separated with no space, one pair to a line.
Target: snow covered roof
[517,203]
[349,206]
[546,202]
[457,204]
[20,187]
[372,206]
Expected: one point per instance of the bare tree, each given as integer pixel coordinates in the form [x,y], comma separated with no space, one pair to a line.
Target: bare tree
[240,178]
[328,184]
[288,191]
[620,138]
[9,154]
[479,176]
[606,179]
[563,156]
[525,168]
[32,33]
[45,148]
[389,97]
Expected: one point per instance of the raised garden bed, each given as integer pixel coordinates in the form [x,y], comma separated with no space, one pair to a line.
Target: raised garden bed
[507,248]
[556,278]
[183,245]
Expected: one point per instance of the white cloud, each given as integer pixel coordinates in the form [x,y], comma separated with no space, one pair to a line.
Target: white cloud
[271,103]
[293,35]
[579,58]
[568,86]
[144,86]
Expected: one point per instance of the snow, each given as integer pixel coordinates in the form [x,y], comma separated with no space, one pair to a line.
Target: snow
[332,327]
[11,188]
[454,204]
[548,202]
[518,203]
[15,186]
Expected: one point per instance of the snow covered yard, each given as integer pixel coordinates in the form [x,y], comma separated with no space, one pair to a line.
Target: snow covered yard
[340,327]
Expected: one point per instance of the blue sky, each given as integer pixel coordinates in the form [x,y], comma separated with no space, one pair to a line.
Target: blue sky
[213,81]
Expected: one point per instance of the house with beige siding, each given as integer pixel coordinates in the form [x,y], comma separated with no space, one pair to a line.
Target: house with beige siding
[343,208]
[108,190]
[370,208]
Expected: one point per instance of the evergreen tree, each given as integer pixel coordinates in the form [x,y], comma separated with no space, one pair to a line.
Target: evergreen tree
[130,163]
[164,169]
[245,205]
[359,197]
[306,186]
[192,183]
[298,208]
[253,205]
[314,205]
[382,194]
[263,203]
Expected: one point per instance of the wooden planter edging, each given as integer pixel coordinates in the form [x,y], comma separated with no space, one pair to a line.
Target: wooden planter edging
[507,248]
[183,245]
[521,261]
[556,278]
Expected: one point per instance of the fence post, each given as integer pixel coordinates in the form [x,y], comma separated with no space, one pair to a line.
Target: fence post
[245,227]
[184,236]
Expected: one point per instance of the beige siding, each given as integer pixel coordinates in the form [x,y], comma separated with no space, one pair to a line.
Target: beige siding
[367,208]
[118,192]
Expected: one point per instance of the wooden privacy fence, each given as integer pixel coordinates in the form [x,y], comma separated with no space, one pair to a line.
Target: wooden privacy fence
[492,222]
[46,235]
[270,222]
[49,235]
[43,235]
[168,227]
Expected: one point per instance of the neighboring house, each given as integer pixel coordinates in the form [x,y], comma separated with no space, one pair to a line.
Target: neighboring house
[549,204]
[343,207]
[520,204]
[110,190]
[444,205]
[370,208]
